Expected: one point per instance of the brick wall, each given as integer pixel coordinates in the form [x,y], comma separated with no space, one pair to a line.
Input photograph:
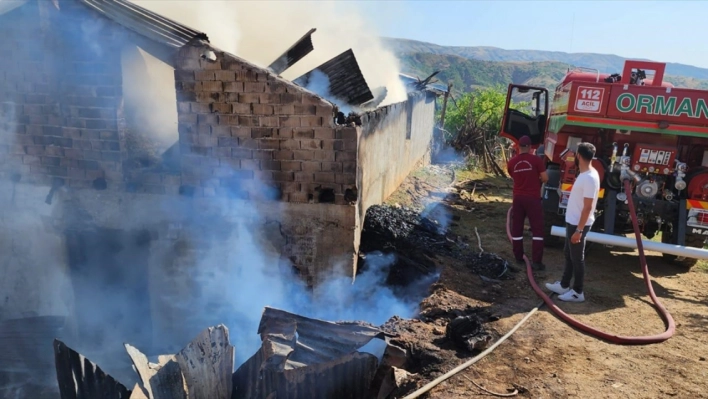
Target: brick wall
[62,92]
[239,124]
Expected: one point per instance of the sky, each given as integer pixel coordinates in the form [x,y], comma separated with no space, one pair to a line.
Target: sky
[667,31]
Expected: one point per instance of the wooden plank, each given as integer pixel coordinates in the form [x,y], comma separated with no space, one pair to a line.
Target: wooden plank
[138,392]
[160,381]
[208,364]
[79,378]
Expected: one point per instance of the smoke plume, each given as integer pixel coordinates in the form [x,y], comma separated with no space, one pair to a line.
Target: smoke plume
[259,31]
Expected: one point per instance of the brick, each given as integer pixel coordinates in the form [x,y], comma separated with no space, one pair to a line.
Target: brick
[187,118]
[299,197]
[263,175]
[341,156]
[324,177]
[283,155]
[311,121]
[31,160]
[184,76]
[227,142]
[269,121]
[286,109]
[207,119]
[239,131]
[349,167]
[225,76]
[270,98]
[304,177]
[327,156]
[249,121]
[199,108]
[204,75]
[335,167]
[241,153]
[346,133]
[290,187]
[311,166]
[222,108]
[254,87]
[209,97]
[210,141]
[324,133]
[249,98]
[345,179]
[269,144]
[222,152]
[270,165]
[263,154]
[108,135]
[262,109]
[221,131]
[284,133]
[325,112]
[287,98]
[284,176]
[314,100]
[250,164]
[351,146]
[304,109]
[310,144]
[261,132]
[303,133]
[290,145]
[53,150]
[276,87]
[75,173]
[34,150]
[230,162]
[248,143]
[233,87]
[294,166]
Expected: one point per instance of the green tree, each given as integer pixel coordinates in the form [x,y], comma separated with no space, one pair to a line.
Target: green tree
[473,124]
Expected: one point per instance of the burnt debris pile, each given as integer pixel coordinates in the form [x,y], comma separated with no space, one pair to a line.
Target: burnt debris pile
[300,358]
[412,238]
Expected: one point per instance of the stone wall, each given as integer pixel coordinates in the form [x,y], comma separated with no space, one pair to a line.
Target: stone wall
[238,123]
[60,95]
[394,140]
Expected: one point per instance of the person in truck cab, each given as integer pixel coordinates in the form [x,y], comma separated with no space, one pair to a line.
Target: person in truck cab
[579,217]
[528,171]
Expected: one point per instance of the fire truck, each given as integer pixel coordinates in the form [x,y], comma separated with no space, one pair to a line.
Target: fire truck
[645,130]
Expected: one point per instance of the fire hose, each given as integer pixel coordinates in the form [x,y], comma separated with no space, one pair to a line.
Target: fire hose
[617,339]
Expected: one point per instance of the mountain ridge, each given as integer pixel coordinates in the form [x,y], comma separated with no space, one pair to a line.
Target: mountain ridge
[606,63]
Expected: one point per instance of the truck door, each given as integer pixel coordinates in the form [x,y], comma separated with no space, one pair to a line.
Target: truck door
[525,113]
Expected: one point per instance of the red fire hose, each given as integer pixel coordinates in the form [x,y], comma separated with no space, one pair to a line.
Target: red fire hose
[617,339]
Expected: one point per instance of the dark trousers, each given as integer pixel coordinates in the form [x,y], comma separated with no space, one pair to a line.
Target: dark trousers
[521,208]
[574,259]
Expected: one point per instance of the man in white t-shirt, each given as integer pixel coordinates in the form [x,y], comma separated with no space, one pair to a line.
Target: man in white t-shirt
[579,217]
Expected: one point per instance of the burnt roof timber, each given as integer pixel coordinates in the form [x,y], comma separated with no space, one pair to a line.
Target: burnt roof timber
[346,82]
[295,53]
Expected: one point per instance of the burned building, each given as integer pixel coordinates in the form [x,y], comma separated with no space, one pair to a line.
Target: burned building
[254,161]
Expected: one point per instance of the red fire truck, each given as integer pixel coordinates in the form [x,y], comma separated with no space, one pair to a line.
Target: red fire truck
[644,129]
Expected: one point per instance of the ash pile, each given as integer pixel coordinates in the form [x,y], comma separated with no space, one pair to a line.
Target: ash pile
[417,239]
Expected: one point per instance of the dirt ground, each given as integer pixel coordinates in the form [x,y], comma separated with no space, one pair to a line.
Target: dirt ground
[547,358]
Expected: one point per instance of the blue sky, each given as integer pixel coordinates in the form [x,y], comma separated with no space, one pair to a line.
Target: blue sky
[670,31]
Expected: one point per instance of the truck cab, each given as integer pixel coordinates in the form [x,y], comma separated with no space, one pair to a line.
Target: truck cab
[644,129]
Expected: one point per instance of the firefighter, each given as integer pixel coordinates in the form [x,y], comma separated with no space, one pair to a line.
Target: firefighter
[528,171]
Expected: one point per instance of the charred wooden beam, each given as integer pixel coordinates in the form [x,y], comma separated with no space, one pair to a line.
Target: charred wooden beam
[207,364]
[295,53]
[163,380]
[79,378]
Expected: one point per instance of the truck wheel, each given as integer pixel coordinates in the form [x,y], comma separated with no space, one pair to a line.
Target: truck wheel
[694,241]
[550,241]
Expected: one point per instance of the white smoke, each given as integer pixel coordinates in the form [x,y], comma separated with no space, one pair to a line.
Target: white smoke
[259,31]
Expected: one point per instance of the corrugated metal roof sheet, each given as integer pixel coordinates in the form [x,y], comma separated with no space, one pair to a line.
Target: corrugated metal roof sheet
[145,22]
[295,53]
[346,82]
[308,358]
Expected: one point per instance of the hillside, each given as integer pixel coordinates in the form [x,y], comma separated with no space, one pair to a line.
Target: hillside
[467,74]
[604,62]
